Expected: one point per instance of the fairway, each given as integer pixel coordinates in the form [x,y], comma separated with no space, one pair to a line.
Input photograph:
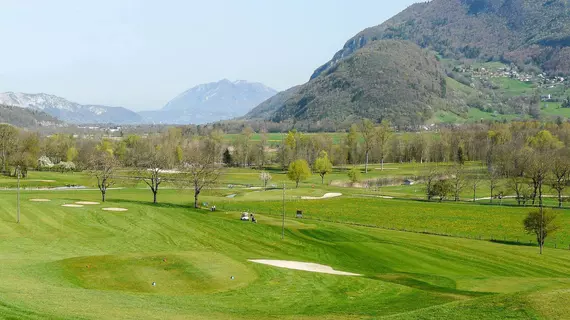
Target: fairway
[170,261]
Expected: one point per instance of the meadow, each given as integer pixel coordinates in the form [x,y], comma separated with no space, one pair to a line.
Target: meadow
[87,263]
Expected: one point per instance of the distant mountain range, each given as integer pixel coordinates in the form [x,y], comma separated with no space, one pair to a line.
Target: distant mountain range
[211,102]
[202,104]
[68,111]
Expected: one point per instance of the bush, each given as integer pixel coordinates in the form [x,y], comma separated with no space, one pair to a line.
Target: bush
[354,175]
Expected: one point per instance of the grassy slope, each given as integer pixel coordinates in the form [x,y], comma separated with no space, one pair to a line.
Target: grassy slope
[407,275]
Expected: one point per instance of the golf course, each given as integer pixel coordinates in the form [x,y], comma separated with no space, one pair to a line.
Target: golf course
[352,256]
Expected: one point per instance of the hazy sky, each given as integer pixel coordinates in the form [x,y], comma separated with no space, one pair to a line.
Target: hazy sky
[140,54]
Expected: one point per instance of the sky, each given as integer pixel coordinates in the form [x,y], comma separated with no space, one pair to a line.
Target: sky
[140,54]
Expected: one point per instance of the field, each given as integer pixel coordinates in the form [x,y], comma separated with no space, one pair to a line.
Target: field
[87,263]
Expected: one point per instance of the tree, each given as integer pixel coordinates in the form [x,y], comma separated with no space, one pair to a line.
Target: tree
[441,189]
[201,167]
[368,132]
[461,156]
[152,160]
[354,175]
[27,152]
[538,169]
[430,175]
[458,180]
[541,223]
[265,177]
[493,175]
[227,158]
[383,134]
[261,149]
[560,173]
[8,135]
[352,144]
[102,166]
[298,171]
[71,154]
[323,165]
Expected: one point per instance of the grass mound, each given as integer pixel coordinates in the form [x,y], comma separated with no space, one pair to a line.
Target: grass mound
[179,274]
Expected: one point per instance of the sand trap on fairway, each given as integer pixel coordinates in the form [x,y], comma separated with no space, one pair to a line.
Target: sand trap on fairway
[72,205]
[304,266]
[115,209]
[40,200]
[326,196]
[87,202]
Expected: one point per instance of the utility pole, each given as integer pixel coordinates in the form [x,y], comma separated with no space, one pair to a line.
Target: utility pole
[283,215]
[18,193]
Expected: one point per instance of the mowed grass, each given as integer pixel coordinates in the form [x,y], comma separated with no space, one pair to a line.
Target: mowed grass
[86,263]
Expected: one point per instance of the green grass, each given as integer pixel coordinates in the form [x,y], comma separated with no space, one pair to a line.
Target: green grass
[86,263]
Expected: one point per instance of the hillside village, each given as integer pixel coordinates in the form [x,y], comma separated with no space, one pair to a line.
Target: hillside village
[542,80]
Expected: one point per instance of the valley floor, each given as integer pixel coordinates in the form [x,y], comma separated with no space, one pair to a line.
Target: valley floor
[87,263]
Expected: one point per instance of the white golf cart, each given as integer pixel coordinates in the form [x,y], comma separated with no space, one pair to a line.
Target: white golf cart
[244,216]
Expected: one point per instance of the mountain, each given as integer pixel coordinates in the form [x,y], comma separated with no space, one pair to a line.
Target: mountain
[68,111]
[391,71]
[26,118]
[387,79]
[531,33]
[211,102]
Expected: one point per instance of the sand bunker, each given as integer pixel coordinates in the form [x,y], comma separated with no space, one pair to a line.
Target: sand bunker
[87,202]
[115,209]
[304,266]
[72,205]
[326,196]
[40,200]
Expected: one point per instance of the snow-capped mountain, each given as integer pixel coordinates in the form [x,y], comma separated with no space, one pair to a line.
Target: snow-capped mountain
[70,111]
[211,102]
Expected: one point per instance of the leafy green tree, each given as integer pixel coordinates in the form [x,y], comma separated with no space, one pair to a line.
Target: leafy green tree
[298,171]
[541,223]
[441,189]
[383,134]
[368,132]
[227,158]
[8,136]
[354,175]
[72,153]
[352,144]
[323,165]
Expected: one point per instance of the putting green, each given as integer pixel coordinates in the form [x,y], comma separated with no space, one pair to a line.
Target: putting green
[174,274]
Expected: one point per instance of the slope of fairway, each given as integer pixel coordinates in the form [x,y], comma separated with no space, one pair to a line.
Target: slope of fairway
[85,263]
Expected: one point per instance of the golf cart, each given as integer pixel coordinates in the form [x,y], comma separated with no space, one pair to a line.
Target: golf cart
[244,216]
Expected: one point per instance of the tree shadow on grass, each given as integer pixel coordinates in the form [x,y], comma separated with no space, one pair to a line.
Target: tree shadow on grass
[416,281]
[514,243]
[189,206]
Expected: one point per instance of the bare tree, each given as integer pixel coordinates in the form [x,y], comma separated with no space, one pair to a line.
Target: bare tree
[560,173]
[431,175]
[493,175]
[458,181]
[265,177]
[201,167]
[475,181]
[153,159]
[102,166]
